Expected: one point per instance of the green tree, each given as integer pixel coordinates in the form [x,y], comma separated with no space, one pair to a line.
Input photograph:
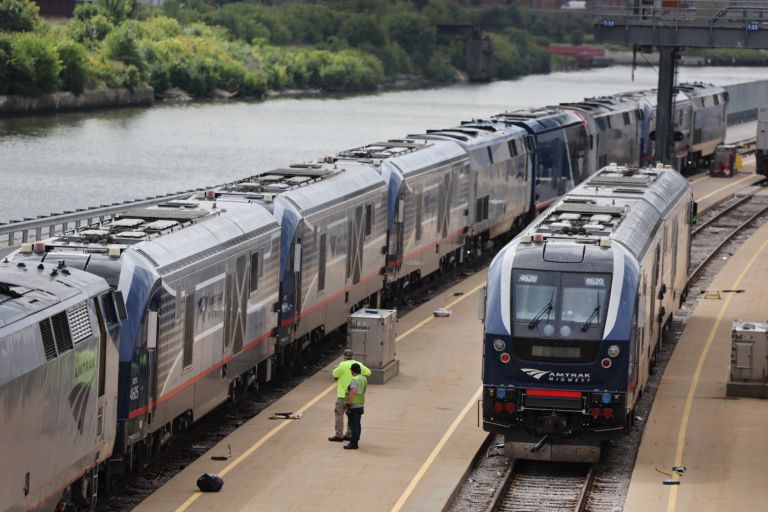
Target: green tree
[33,67]
[18,15]
[116,11]
[5,59]
[85,12]
[415,34]
[359,29]
[577,38]
[309,23]
[122,45]
[74,66]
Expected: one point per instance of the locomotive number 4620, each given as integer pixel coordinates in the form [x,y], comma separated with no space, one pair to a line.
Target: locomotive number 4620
[594,281]
[527,278]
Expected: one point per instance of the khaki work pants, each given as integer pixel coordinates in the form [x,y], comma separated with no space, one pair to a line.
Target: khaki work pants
[339,411]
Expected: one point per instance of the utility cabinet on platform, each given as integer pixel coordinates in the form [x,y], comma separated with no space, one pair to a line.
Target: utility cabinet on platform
[371,336]
[749,360]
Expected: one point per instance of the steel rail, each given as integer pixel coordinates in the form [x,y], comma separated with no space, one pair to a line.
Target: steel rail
[699,269]
[501,493]
[721,214]
[581,504]
[503,488]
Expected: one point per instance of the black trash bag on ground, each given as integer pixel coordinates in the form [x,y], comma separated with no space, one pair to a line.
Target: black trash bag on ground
[210,483]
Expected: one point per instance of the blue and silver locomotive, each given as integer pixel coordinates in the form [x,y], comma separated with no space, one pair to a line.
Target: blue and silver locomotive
[574,311]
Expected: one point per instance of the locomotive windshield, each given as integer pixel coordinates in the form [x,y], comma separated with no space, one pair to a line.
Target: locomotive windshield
[558,316]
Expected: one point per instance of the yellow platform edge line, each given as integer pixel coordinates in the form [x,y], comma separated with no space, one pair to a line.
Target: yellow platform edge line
[698,180]
[420,324]
[725,187]
[695,382]
[330,388]
[424,467]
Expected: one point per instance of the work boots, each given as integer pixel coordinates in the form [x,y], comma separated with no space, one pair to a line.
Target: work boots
[351,446]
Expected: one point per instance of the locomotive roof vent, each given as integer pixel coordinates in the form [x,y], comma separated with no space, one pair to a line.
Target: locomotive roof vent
[382,150]
[263,187]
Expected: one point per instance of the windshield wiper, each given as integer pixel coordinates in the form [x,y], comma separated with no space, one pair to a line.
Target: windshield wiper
[544,311]
[595,314]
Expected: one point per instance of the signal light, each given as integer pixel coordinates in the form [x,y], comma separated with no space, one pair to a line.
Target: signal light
[608,413]
[39,246]
[606,363]
[210,193]
[505,357]
[538,237]
[510,408]
[498,406]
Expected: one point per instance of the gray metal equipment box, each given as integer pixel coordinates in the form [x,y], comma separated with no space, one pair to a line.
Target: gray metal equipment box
[749,359]
[371,336]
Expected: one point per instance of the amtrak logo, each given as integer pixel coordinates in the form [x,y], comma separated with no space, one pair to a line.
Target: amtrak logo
[84,377]
[78,401]
[557,377]
[536,374]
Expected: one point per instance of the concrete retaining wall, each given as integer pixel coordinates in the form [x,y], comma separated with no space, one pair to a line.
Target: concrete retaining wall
[60,101]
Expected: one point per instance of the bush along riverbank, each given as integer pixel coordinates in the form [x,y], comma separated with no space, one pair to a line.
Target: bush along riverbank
[210,48]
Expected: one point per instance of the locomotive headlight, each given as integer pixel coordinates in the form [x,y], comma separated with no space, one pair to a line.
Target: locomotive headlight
[565,331]
[613,351]
[549,330]
[499,345]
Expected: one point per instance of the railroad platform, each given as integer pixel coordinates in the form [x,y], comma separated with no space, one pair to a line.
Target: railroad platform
[419,435]
[710,192]
[721,441]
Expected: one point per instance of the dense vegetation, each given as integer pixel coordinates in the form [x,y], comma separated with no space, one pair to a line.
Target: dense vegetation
[252,46]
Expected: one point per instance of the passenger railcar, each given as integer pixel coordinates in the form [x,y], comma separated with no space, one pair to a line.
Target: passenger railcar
[59,331]
[615,123]
[332,249]
[428,194]
[561,147]
[499,183]
[709,120]
[199,282]
[575,308]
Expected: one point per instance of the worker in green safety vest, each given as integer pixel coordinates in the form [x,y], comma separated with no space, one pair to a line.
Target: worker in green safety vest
[355,400]
[343,376]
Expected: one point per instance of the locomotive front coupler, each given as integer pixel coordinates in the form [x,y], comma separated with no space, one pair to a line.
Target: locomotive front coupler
[540,444]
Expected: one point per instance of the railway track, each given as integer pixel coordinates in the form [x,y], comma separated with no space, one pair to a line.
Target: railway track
[530,486]
[538,486]
[716,232]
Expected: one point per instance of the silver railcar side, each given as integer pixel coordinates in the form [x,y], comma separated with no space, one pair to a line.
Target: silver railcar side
[58,385]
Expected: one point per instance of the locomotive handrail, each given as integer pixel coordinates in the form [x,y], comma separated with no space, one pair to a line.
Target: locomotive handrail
[10,230]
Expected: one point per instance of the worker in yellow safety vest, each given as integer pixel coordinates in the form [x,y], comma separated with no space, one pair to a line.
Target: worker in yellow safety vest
[343,376]
[355,400]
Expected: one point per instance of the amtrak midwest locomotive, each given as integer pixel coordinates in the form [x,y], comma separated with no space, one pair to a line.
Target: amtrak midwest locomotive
[227,285]
[575,310]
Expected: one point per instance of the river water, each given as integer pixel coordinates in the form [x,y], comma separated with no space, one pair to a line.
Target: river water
[52,163]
